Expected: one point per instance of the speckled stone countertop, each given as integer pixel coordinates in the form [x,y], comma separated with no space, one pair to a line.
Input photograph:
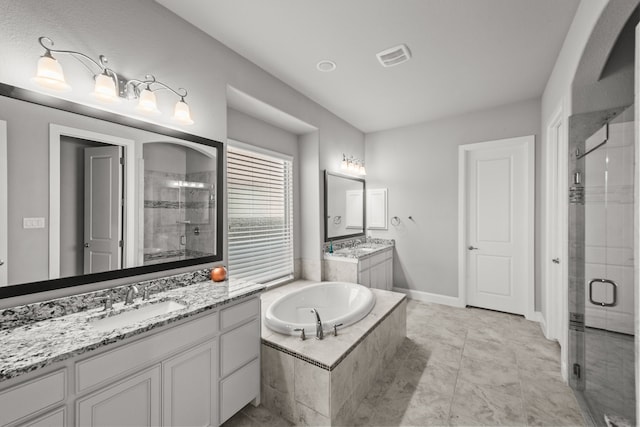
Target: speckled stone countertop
[355,250]
[31,345]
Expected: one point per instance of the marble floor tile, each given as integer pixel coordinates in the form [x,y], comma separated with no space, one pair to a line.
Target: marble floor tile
[481,405]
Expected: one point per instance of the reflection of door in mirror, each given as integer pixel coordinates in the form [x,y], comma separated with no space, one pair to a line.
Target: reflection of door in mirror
[103,209]
[179,202]
[91,226]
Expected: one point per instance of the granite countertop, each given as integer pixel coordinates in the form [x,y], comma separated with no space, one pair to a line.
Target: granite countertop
[357,252]
[33,345]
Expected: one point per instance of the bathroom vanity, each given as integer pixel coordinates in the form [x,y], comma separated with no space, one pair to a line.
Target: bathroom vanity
[197,365]
[370,265]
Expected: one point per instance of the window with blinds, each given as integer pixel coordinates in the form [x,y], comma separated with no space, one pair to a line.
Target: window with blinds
[260,217]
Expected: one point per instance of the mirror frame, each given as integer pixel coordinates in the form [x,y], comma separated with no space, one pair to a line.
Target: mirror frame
[84,110]
[326,206]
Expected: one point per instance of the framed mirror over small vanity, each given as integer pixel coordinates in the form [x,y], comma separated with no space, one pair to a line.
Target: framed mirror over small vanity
[344,206]
[91,196]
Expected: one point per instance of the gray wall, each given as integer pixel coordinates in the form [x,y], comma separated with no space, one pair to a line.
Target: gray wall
[244,128]
[419,166]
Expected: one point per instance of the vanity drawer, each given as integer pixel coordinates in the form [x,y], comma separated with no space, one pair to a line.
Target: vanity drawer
[379,258]
[239,313]
[33,396]
[239,346]
[108,366]
[54,418]
[239,389]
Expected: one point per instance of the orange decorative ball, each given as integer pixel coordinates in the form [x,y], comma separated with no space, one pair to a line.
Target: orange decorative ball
[218,274]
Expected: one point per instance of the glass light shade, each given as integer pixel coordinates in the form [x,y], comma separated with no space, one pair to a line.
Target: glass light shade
[182,113]
[49,75]
[105,89]
[147,103]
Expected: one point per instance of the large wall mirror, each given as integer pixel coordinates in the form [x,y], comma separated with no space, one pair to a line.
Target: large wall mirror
[93,196]
[344,206]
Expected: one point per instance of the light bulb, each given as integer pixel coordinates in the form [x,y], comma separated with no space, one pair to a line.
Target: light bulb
[147,103]
[105,89]
[182,113]
[49,74]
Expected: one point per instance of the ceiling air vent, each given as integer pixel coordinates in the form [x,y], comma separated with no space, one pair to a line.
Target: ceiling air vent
[394,56]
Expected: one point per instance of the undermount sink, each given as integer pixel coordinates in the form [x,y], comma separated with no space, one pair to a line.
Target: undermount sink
[135,315]
[366,249]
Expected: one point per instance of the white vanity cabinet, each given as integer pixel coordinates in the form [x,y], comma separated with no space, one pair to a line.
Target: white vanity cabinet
[199,372]
[373,270]
[376,270]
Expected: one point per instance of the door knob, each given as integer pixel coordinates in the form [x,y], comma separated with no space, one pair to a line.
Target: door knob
[86,245]
[1,262]
[472,248]
[556,260]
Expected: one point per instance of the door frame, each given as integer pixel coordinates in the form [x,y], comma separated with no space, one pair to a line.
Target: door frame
[556,221]
[463,150]
[4,205]
[129,223]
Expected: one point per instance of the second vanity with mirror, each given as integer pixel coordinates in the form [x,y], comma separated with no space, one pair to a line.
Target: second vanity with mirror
[348,255]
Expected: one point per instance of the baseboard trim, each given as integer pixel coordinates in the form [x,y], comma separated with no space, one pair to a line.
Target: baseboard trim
[539,317]
[429,297]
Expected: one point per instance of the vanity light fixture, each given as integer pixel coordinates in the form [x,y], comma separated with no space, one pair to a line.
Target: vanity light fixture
[352,165]
[108,88]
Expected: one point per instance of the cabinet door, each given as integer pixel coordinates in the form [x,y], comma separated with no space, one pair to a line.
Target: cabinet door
[190,388]
[132,402]
[389,274]
[365,277]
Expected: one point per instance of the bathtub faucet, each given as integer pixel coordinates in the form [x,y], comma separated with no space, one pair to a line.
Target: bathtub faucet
[319,331]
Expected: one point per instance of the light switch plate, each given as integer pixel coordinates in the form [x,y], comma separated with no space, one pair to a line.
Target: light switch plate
[32,222]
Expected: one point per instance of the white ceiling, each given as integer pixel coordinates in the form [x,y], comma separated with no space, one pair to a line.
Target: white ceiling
[467,54]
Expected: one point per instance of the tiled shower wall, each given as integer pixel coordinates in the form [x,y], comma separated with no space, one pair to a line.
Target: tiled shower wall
[167,208]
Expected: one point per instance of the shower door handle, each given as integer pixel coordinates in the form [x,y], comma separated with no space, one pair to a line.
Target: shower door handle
[602,303]
[472,248]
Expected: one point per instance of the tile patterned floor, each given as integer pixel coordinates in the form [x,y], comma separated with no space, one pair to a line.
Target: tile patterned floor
[462,367]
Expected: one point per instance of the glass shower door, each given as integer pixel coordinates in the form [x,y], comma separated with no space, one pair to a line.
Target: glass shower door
[608,374]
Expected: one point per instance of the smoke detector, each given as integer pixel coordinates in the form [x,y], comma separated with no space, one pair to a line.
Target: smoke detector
[394,55]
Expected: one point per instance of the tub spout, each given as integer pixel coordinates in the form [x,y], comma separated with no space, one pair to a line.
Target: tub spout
[319,331]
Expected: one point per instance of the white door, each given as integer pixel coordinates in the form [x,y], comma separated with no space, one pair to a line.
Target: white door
[554,261]
[498,225]
[102,209]
[4,206]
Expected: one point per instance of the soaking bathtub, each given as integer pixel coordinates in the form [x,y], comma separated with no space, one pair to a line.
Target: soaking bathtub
[336,302]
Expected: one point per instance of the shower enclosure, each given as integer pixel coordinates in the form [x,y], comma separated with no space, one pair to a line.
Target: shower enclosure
[601,265]
[179,203]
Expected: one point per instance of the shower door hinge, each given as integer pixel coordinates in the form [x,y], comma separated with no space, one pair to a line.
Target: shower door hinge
[121,244]
[576,370]
[122,161]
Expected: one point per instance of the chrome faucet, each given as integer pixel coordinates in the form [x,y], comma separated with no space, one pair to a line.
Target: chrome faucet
[319,331]
[131,293]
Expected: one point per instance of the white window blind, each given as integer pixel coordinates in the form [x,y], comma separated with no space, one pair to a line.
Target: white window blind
[260,204]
